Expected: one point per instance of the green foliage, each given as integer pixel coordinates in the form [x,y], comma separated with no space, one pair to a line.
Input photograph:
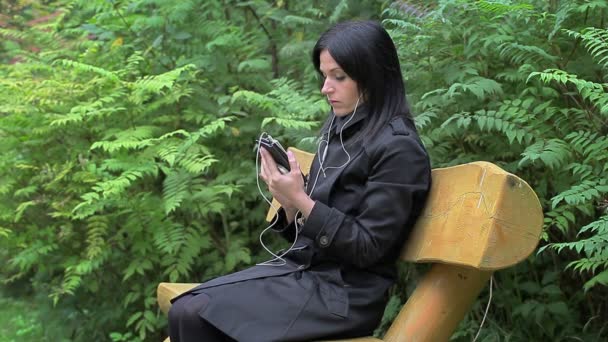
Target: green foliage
[127,130]
[21,321]
[522,84]
[127,133]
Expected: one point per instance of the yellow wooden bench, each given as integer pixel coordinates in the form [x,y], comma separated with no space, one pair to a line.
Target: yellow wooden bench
[477,219]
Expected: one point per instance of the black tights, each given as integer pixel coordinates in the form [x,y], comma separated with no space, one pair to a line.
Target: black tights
[185,325]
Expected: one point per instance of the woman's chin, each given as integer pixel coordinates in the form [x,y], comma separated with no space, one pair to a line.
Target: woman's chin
[341,111]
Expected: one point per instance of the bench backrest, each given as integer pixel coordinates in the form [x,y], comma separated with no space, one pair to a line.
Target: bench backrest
[477,215]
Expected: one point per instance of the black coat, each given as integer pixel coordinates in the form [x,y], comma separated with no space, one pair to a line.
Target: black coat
[335,281]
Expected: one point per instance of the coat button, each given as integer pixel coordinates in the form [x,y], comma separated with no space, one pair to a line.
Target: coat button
[323,241]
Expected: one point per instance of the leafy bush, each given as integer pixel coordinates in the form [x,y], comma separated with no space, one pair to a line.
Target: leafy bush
[126,130]
[522,84]
[127,137]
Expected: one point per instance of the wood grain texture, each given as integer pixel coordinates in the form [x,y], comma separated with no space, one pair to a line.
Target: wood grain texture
[438,304]
[477,215]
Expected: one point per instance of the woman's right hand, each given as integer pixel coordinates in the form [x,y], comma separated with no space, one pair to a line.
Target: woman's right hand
[287,189]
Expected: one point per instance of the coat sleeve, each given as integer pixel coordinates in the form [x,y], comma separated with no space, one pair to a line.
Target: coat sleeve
[399,176]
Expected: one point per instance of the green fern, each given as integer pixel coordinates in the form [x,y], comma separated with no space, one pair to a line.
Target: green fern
[594,248]
[595,41]
[175,189]
[519,54]
[587,190]
[554,153]
[482,88]
[590,91]
[97,229]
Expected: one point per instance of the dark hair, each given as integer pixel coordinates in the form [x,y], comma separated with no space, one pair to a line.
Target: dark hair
[366,52]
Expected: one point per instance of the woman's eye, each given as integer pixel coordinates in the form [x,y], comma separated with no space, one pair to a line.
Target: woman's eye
[340,78]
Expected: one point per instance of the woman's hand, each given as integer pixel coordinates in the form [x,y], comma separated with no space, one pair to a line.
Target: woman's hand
[287,189]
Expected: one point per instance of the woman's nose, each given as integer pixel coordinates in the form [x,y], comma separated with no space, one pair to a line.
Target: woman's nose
[327,88]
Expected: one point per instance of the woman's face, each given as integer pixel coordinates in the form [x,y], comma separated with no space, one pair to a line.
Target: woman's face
[341,90]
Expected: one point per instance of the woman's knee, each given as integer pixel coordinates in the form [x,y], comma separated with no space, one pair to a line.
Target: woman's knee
[177,308]
[187,308]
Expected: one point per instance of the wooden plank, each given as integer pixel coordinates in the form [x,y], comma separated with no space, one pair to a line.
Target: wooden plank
[439,303]
[477,215]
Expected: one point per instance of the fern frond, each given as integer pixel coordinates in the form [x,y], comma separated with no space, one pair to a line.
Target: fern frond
[170,238]
[32,255]
[254,65]
[410,9]
[259,100]
[118,185]
[481,87]
[176,188]
[87,68]
[97,229]
[183,246]
[554,153]
[338,10]
[212,128]
[295,20]
[196,163]
[591,146]
[424,119]
[581,171]
[592,5]
[21,208]
[599,279]
[590,91]
[499,8]
[562,217]
[510,119]
[145,87]
[138,265]
[130,139]
[5,232]
[25,192]
[169,151]
[101,107]
[595,41]
[519,54]
[563,13]
[587,190]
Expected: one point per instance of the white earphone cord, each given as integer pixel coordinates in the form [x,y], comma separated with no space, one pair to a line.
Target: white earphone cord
[279,258]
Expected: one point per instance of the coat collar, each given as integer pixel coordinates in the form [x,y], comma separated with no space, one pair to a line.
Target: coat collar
[343,123]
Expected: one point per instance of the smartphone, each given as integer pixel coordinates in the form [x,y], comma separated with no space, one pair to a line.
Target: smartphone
[277,152]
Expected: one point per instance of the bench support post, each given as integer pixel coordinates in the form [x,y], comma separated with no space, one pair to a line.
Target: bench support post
[438,304]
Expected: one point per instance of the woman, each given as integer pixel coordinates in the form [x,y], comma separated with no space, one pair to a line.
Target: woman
[367,186]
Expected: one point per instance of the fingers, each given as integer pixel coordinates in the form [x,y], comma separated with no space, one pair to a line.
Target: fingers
[267,166]
[263,169]
[293,163]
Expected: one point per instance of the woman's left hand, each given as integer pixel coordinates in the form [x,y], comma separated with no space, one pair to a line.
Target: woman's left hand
[286,188]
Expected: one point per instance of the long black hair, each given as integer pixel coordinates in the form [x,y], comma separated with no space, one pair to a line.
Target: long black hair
[367,54]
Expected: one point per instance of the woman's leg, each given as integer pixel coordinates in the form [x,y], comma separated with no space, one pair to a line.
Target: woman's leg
[185,325]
